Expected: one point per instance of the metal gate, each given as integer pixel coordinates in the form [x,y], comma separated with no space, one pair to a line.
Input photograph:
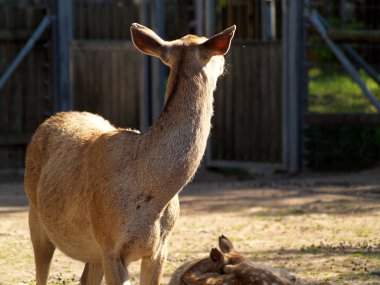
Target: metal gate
[96,68]
[257,104]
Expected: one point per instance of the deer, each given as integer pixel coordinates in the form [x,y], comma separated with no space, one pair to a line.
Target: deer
[228,267]
[202,271]
[248,272]
[108,196]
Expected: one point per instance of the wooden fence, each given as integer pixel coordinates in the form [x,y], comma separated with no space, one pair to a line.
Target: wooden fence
[26,99]
[106,80]
[248,105]
[105,20]
[106,74]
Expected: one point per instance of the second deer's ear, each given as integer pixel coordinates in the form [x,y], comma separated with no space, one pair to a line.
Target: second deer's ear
[147,41]
[220,43]
[225,244]
[216,255]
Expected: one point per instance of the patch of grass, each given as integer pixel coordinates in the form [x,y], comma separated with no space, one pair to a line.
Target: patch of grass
[335,92]
[363,232]
[236,239]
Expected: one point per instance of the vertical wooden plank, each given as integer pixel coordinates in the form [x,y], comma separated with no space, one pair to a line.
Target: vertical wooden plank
[276,109]
[229,109]
[266,99]
[258,105]
[219,132]
[109,82]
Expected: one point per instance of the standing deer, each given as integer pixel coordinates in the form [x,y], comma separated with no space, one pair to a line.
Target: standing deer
[228,268]
[108,196]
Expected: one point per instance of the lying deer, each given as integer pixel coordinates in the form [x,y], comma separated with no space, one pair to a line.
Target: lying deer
[229,268]
[108,196]
[204,271]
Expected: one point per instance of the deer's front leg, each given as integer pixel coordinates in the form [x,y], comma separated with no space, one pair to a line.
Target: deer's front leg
[153,268]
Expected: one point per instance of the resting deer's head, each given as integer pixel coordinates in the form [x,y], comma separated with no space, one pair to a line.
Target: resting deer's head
[229,251]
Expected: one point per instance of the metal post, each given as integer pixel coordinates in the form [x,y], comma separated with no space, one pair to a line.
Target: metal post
[210,17]
[62,36]
[199,17]
[44,24]
[267,20]
[292,87]
[145,84]
[361,62]
[158,69]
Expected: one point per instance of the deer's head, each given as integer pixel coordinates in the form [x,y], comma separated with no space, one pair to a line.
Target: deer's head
[229,251]
[191,51]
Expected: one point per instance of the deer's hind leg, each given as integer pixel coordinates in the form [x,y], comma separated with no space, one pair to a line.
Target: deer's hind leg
[43,248]
[92,274]
[152,269]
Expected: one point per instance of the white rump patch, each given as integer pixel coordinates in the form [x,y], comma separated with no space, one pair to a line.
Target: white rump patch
[127,282]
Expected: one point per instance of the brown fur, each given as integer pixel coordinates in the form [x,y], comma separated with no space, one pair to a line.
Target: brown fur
[236,269]
[249,273]
[108,196]
[204,271]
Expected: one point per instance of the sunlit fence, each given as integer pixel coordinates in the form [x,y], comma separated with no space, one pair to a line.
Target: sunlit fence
[342,126]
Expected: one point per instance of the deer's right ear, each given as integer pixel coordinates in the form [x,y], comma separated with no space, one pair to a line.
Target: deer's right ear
[225,244]
[216,255]
[218,44]
[147,41]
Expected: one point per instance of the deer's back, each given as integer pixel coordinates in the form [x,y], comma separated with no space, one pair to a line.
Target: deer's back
[57,147]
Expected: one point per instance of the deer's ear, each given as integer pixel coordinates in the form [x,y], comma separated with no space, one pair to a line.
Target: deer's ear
[147,41]
[216,255]
[225,244]
[220,43]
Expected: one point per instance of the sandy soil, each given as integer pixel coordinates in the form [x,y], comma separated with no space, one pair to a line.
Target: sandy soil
[325,228]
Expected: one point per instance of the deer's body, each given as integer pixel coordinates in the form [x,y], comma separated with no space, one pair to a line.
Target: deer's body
[108,196]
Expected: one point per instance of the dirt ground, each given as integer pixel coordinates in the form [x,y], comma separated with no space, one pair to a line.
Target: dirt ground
[325,228]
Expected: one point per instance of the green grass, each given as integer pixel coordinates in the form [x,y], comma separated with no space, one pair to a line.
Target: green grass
[335,92]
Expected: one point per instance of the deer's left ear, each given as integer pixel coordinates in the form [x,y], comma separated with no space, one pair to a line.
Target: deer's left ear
[218,44]
[148,42]
[216,255]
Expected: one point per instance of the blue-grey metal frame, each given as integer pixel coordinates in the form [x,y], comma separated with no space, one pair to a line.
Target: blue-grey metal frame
[152,14]
[321,27]
[293,57]
[62,36]
[41,28]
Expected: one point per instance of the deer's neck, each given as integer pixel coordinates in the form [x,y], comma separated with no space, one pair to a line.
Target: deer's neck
[177,141]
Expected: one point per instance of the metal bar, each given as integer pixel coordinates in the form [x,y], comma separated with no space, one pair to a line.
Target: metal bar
[314,19]
[158,69]
[62,36]
[44,24]
[267,20]
[145,75]
[292,84]
[199,17]
[210,17]
[361,62]
[352,53]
